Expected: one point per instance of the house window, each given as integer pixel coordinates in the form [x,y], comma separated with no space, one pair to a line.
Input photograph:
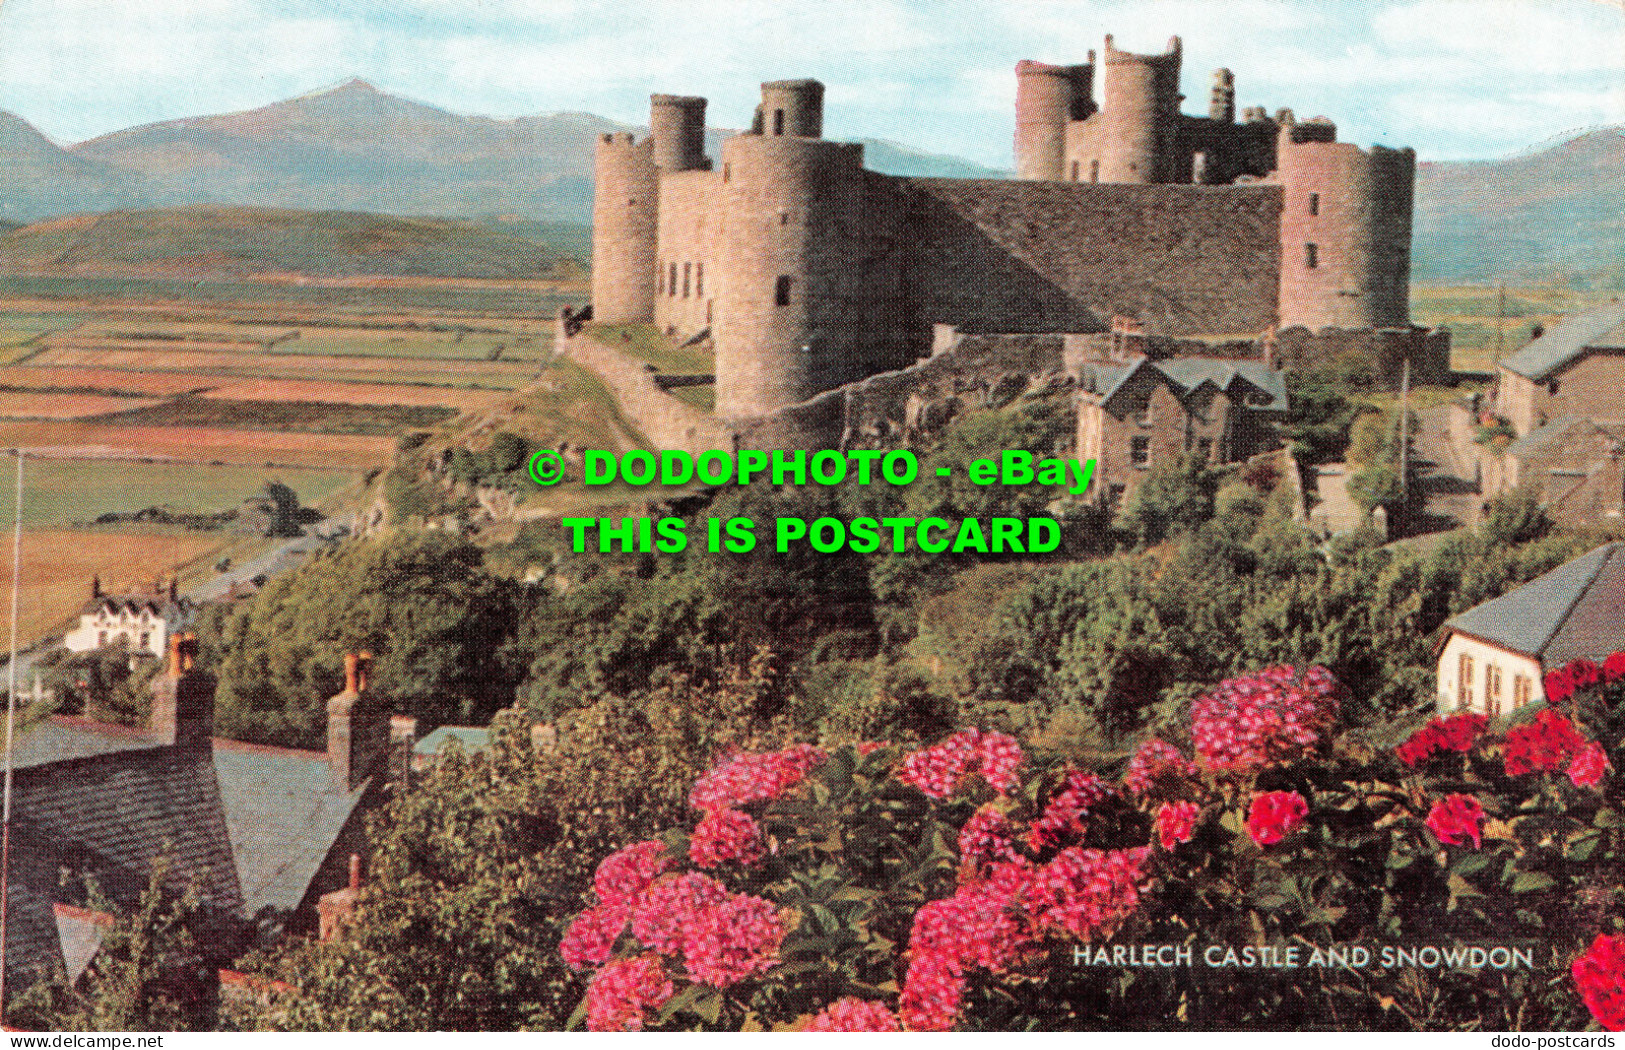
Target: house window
[1464,682]
[781,292]
[1094,171]
[1311,255]
[1139,451]
[1522,690]
[146,639]
[101,638]
[688,273]
[1074,171]
[699,280]
[1314,204]
[1492,690]
[671,282]
[778,122]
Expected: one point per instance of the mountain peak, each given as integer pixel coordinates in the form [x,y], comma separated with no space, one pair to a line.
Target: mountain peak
[353,86]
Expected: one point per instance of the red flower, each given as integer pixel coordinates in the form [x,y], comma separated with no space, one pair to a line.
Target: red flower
[1273,715]
[626,873]
[725,835]
[1457,817]
[853,1015]
[1588,766]
[940,769]
[590,940]
[1559,686]
[1176,822]
[1547,743]
[931,990]
[1613,668]
[623,992]
[753,778]
[1275,815]
[1584,673]
[1064,812]
[1599,975]
[985,838]
[1157,765]
[1456,733]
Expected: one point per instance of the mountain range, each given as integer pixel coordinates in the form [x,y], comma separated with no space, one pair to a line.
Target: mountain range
[1553,213]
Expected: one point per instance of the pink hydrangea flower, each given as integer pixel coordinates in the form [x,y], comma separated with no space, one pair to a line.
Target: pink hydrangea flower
[623,875]
[939,770]
[1275,815]
[590,940]
[738,938]
[624,992]
[725,836]
[985,838]
[1589,766]
[1613,668]
[1176,822]
[931,992]
[1157,764]
[746,778]
[662,917]
[1064,812]
[1455,818]
[852,1014]
[1274,715]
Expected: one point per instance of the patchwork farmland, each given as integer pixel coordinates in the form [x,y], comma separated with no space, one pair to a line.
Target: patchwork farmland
[135,397]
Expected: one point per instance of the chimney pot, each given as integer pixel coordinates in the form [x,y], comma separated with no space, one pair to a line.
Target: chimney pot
[355,871]
[351,661]
[175,657]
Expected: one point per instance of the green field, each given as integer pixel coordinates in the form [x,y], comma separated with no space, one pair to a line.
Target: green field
[1483,326]
[61,492]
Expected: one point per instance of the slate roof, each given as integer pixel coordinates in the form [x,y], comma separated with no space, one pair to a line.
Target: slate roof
[176,611]
[1540,437]
[255,823]
[112,815]
[1569,339]
[1186,374]
[1577,609]
[470,738]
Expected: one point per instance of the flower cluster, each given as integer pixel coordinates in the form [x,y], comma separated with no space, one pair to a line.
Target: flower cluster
[986,838]
[1273,715]
[1583,674]
[1176,822]
[622,993]
[987,925]
[938,770]
[1275,815]
[747,777]
[853,1015]
[1589,765]
[1599,975]
[1455,733]
[1455,818]
[624,874]
[725,835]
[1157,767]
[1547,743]
[1063,814]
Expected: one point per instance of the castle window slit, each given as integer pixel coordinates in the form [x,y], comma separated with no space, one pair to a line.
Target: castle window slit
[778,122]
[1314,204]
[1311,255]
[781,291]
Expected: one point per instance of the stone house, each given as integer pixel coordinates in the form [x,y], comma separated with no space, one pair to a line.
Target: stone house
[1136,414]
[1493,658]
[262,832]
[1576,370]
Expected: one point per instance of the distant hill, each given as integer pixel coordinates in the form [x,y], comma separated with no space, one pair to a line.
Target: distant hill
[215,243]
[1554,214]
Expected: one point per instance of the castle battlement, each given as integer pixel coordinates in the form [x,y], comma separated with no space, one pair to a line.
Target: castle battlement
[810,271]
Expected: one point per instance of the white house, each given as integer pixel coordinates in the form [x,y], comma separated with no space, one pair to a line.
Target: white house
[1494,656]
[143,622]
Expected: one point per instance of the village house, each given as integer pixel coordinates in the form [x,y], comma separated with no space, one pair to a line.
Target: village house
[263,833]
[1493,657]
[1134,415]
[143,623]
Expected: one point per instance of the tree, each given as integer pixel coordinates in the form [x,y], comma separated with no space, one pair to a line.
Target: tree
[1175,496]
[437,624]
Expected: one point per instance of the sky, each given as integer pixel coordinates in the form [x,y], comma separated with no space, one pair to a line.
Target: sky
[1456,79]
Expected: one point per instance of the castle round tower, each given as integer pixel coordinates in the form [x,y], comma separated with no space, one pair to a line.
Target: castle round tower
[790,295]
[1047,99]
[1139,115]
[677,126]
[625,218]
[1345,230]
[794,108]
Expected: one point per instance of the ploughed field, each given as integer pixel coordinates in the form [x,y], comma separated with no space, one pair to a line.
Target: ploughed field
[155,405]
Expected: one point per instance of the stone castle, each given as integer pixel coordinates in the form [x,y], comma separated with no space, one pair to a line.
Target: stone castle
[808,271]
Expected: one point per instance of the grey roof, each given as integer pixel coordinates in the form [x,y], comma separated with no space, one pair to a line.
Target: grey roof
[469,738]
[284,813]
[1577,609]
[1186,374]
[1570,338]
[112,815]
[1540,437]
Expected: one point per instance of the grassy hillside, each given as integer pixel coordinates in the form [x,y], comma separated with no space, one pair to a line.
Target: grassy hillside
[214,243]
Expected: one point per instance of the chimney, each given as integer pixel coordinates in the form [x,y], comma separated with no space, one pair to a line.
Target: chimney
[174,589]
[334,910]
[183,699]
[358,727]
[95,587]
[403,736]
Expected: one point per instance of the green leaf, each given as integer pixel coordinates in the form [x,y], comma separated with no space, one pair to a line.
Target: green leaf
[1529,881]
[1608,818]
[1471,863]
[1583,847]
